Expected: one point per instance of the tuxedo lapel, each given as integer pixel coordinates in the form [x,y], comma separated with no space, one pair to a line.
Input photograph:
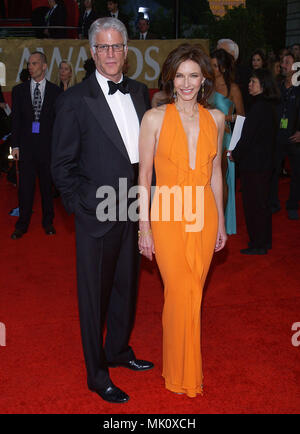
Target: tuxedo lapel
[100,109]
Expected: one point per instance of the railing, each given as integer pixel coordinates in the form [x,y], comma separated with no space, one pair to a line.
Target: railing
[30,31]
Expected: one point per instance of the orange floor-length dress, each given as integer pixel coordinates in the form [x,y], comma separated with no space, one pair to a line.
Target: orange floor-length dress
[184,256]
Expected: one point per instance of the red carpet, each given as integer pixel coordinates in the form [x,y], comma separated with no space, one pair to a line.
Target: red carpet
[250,304]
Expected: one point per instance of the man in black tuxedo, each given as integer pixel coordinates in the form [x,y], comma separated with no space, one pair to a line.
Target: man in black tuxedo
[95,144]
[87,17]
[32,122]
[56,16]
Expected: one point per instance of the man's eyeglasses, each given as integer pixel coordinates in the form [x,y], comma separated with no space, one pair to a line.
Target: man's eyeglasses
[105,47]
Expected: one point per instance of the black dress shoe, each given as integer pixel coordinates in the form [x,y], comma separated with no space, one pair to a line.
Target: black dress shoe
[17,234]
[135,365]
[268,246]
[254,251]
[112,394]
[50,230]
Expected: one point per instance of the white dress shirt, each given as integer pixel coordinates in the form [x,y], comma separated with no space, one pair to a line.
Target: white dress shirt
[49,13]
[143,35]
[86,14]
[125,116]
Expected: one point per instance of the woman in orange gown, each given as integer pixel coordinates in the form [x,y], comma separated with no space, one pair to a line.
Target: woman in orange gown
[184,139]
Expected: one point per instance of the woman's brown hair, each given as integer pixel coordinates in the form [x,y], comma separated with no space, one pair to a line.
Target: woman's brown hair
[173,61]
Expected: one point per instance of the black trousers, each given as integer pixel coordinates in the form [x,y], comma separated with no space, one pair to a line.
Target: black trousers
[255,193]
[292,151]
[28,171]
[107,278]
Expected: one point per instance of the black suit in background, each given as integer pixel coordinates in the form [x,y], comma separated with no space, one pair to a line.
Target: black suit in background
[2,9]
[85,23]
[149,35]
[88,152]
[289,107]
[34,150]
[57,17]
[255,154]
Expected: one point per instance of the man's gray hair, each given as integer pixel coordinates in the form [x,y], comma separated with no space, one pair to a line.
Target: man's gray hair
[106,23]
[232,47]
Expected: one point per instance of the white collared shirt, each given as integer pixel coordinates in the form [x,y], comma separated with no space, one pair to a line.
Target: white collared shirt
[125,116]
[143,35]
[114,14]
[87,13]
[49,13]
[42,87]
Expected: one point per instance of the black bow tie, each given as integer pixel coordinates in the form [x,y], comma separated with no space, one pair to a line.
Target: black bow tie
[122,87]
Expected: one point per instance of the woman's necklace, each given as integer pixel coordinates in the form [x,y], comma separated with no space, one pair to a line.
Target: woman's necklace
[188,115]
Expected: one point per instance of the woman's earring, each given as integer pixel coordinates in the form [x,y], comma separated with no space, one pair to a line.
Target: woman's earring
[202,91]
[175,95]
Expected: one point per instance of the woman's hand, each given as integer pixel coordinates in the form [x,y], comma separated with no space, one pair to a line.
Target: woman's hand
[146,243]
[221,239]
[15,153]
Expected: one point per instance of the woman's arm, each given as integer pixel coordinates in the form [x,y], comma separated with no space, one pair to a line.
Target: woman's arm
[237,99]
[147,140]
[216,182]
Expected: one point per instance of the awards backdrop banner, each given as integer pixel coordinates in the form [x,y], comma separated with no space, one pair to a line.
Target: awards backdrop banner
[145,58]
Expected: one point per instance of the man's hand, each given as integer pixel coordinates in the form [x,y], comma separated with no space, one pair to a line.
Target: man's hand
[15,153]
[296,137]
[2,105]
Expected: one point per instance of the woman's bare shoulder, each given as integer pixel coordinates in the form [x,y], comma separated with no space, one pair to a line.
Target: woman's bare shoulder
[218,116]
[155,114]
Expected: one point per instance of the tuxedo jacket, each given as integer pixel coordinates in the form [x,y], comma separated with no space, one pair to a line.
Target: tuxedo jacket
[84,25]
[33,145]
[88,151]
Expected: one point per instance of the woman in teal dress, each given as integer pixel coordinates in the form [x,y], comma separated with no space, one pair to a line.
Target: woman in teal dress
[228,99]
